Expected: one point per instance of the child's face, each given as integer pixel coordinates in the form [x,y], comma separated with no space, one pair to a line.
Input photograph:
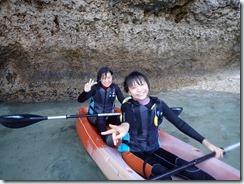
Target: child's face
[106,79]
[139,90]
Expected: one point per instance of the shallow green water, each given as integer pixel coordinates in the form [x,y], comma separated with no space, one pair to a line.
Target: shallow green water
[51,150]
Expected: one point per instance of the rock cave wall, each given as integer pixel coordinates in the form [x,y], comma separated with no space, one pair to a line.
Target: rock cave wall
[50,48]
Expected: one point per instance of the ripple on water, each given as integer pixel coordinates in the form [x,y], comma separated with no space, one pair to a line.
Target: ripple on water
[51,149]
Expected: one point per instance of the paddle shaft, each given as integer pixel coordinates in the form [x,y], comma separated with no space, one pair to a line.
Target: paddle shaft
[192,163]
[71,116]
[82,115]
[23,120]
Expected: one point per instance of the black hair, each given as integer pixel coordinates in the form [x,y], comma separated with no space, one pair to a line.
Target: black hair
[103,70]
[135,76]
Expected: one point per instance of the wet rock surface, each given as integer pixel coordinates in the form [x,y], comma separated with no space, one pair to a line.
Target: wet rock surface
[49,49]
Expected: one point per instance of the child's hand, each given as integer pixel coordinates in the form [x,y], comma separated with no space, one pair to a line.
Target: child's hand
[117,131]
[219,152]
[88,85]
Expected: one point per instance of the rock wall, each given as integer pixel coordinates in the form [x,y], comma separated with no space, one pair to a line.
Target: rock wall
[50,48]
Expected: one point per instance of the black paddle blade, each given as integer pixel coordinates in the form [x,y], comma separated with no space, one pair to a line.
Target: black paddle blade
[177,110]
[20,120]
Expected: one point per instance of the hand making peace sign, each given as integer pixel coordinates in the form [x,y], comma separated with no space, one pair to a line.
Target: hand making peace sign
[88,85]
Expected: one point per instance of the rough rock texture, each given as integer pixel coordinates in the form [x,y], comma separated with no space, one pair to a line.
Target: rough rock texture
[50,48]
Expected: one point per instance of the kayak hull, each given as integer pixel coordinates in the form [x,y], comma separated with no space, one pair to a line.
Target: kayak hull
[112,165]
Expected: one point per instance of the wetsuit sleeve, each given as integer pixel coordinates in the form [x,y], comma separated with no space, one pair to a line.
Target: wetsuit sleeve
[119,94]
[180,124]
[86,95]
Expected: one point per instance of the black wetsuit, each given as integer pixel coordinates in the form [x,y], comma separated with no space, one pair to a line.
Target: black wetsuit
[144,143]
[102,101]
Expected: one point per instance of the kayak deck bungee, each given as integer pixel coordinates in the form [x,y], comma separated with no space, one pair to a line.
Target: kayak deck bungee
[112,165]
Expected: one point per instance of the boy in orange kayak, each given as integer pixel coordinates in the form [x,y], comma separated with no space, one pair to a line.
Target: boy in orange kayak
[103,94]
[142,114]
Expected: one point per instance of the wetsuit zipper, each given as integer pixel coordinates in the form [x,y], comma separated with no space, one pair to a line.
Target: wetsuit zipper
[104,110]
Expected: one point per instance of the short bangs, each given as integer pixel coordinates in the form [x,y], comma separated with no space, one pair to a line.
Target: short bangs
[133,77]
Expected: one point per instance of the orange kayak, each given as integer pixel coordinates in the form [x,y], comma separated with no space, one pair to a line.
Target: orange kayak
[112,165]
